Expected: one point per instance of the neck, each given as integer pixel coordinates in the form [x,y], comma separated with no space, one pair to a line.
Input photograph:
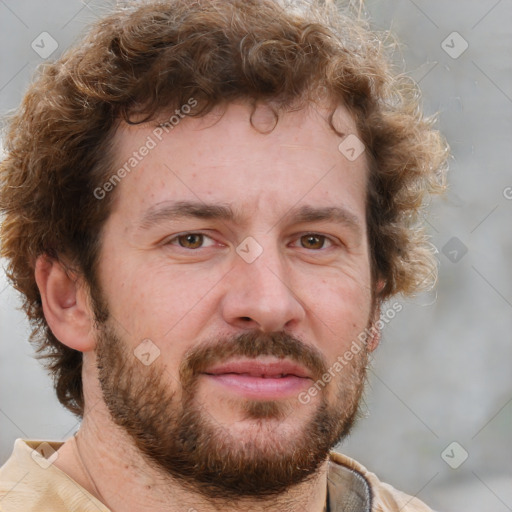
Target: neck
[103,460]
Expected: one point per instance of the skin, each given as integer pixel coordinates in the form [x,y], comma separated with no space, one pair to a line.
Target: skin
[182,297]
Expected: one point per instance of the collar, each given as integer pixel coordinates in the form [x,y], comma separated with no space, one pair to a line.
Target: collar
[348,490]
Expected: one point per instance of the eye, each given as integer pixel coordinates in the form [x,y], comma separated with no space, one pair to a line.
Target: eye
[191,241]
[314,241]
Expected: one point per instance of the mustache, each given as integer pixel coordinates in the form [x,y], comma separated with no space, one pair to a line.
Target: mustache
[252,344]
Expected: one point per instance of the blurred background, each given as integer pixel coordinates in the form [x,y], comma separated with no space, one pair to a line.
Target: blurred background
[438,407]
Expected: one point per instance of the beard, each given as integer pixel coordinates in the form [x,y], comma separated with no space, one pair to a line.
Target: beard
[177,436]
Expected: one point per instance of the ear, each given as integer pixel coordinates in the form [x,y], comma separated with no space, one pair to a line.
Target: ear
[66,304]
[373,340]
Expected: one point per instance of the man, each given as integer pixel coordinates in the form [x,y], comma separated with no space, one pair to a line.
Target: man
[206,204]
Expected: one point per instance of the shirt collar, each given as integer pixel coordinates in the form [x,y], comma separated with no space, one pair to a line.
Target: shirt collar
[347,489]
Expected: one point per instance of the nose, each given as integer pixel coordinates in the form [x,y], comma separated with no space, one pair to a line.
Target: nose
[260,295]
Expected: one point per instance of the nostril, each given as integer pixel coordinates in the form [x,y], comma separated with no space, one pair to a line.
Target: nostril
[246,319]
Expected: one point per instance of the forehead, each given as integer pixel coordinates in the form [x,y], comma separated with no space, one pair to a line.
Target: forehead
[239,156]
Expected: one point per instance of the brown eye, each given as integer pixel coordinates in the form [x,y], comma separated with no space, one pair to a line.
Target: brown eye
[191,240]
[312,241]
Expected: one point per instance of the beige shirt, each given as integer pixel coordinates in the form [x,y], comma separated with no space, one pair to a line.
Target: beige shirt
[29,482]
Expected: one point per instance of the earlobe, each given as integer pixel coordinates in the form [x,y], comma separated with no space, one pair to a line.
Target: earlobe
[372,342]
[65,304]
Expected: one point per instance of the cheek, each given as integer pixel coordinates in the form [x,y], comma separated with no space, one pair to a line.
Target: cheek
[158,301]
[339,311]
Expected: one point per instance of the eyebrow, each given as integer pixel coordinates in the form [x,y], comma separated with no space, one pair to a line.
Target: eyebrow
[170,210]
[337,214]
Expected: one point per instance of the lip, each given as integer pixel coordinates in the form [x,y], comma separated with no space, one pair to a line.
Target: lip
[261,379]
[261,367]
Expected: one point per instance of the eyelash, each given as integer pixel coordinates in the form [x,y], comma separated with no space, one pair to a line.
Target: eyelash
[175,240]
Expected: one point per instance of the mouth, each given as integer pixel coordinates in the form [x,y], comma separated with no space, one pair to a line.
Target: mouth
[260,379]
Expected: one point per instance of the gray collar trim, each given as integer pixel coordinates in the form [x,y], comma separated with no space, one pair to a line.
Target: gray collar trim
[348,490]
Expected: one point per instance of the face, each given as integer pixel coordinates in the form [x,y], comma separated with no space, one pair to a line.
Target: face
[235,270]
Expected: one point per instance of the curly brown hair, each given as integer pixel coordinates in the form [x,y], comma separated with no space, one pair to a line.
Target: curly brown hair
[156,55]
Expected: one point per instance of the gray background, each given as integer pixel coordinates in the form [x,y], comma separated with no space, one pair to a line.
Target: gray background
[443,372]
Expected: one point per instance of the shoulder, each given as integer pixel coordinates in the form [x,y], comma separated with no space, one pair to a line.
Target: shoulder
[384,497]
[29,482]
